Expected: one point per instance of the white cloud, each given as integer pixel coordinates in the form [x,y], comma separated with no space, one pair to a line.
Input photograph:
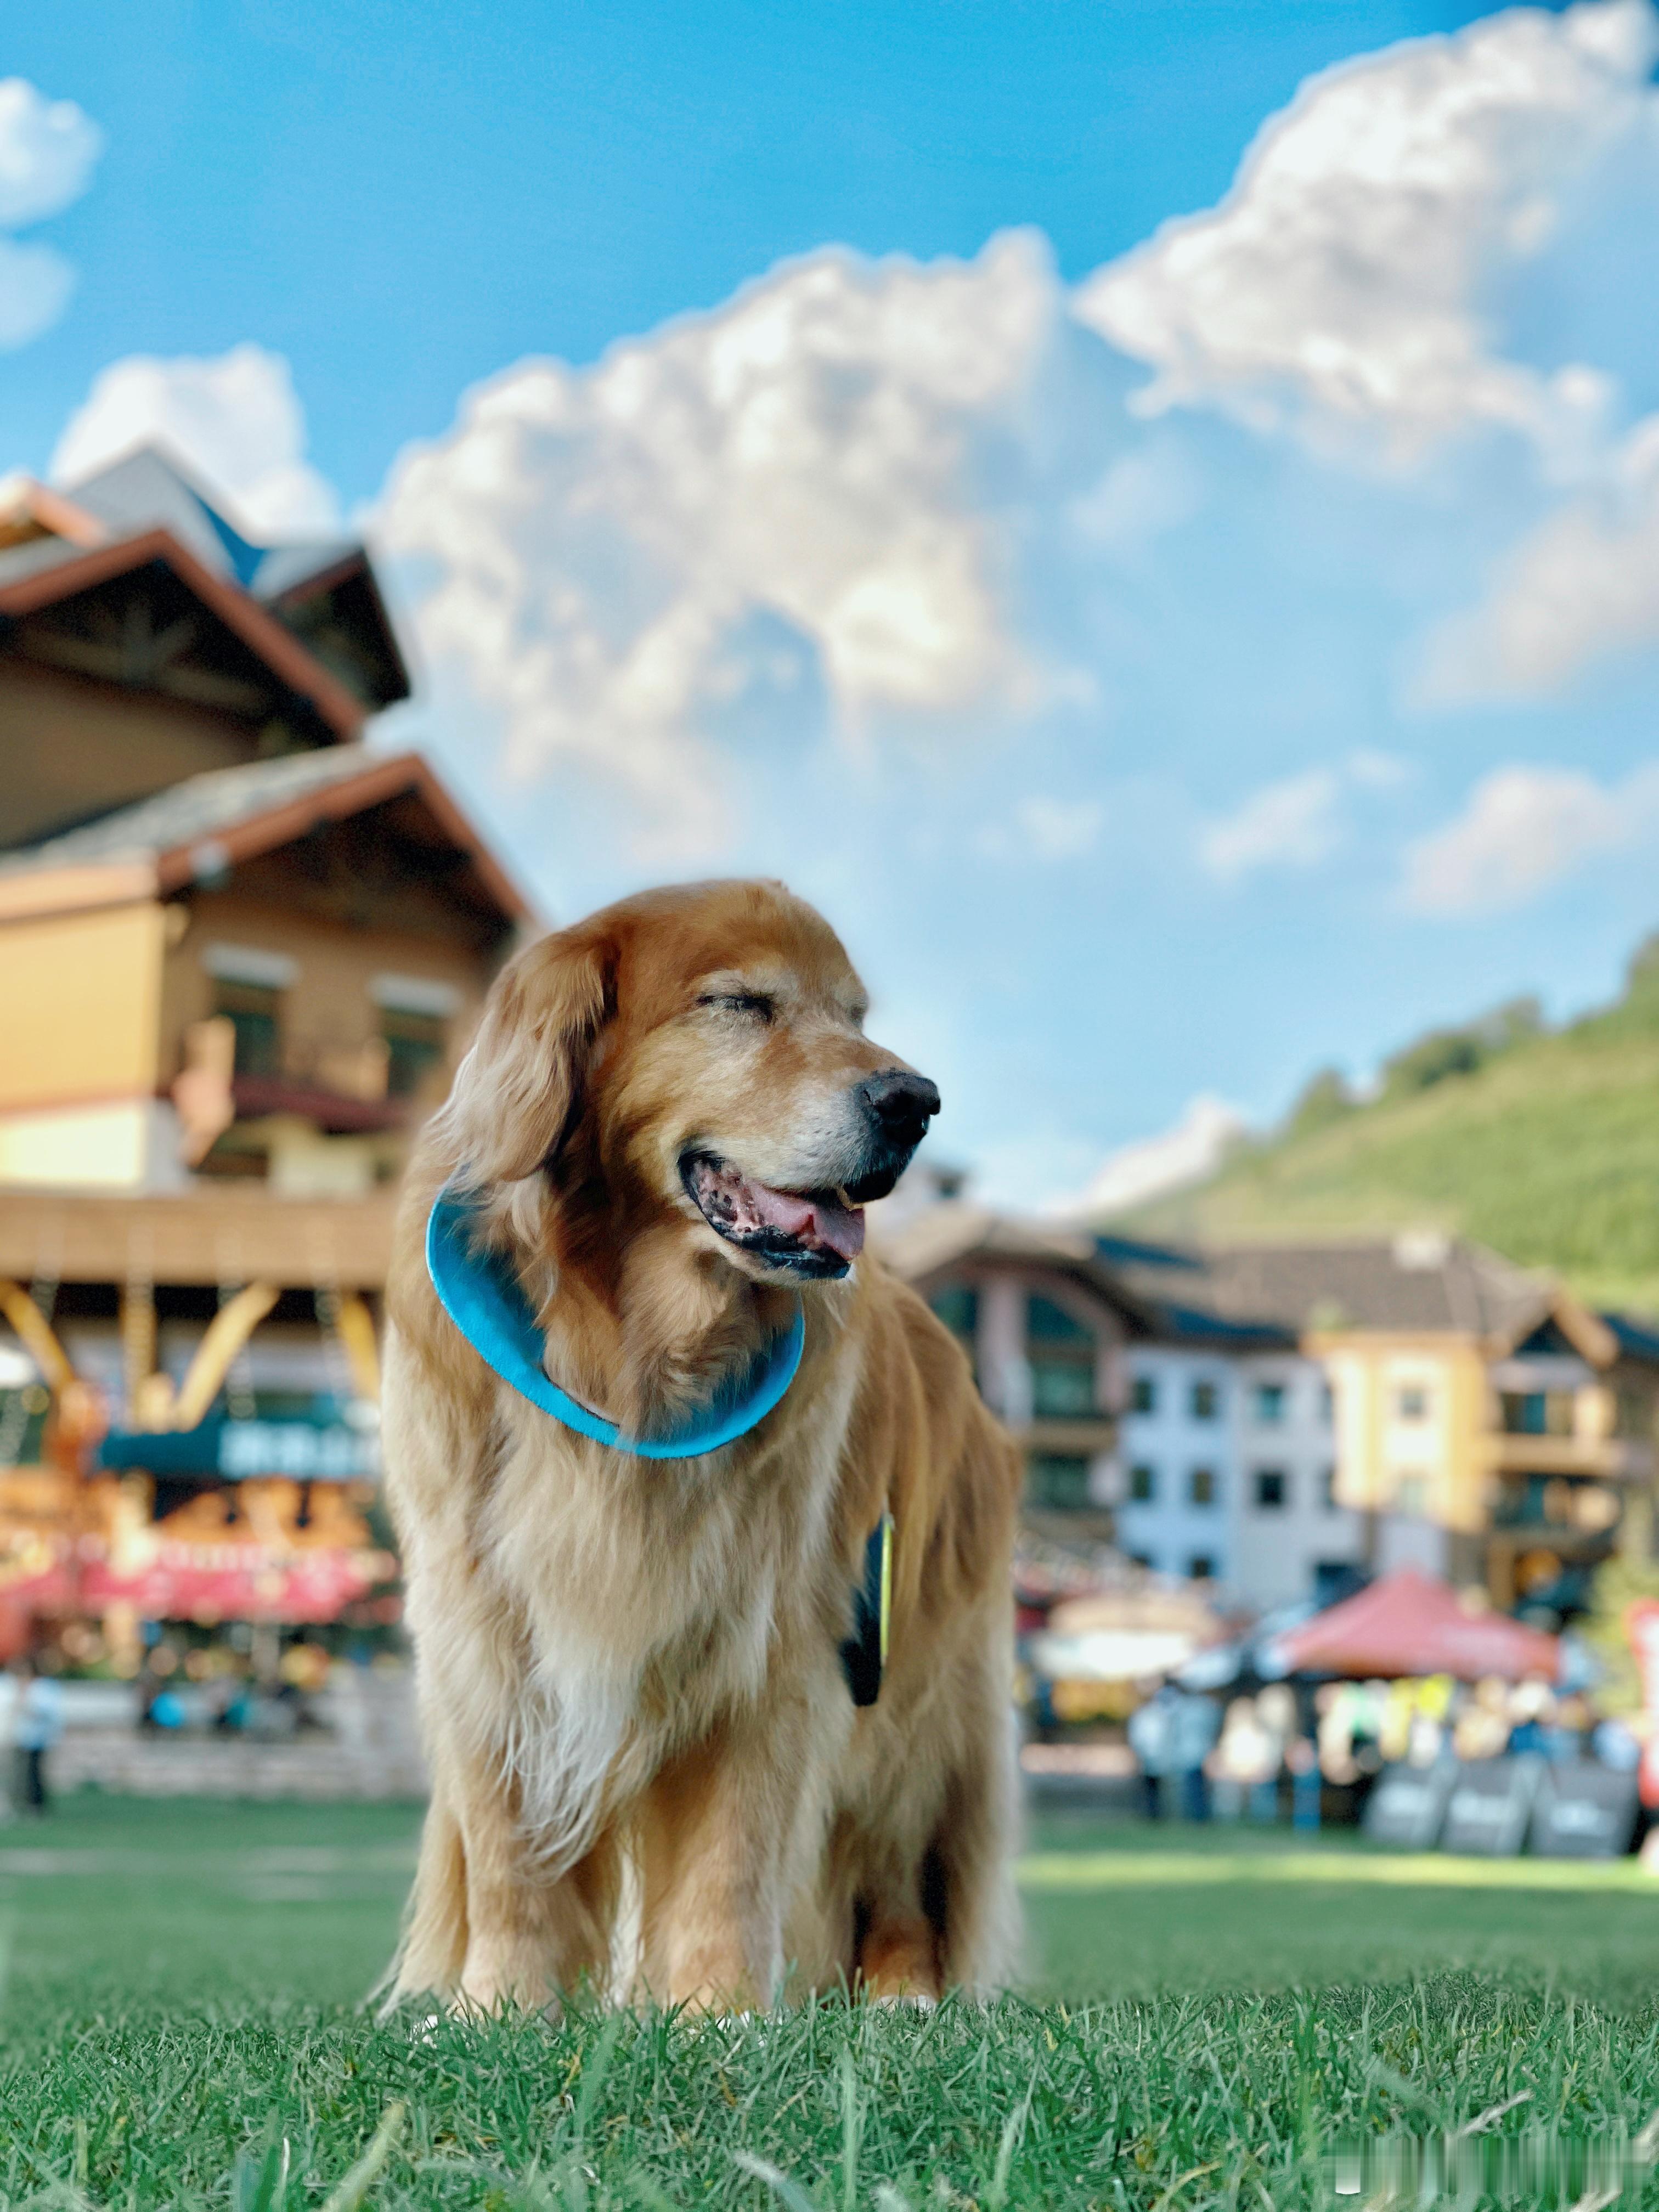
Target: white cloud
[1370,770]
[620,552]
[48,150]
[1060,829]
[1523,829]
[1583,586]
[1338,286]
[35,284]
[1299,821]
[1041,828]
[233,419]
[1292,824]
[1192,1149]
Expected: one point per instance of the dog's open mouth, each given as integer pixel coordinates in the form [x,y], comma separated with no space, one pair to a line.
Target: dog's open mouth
[813,1232]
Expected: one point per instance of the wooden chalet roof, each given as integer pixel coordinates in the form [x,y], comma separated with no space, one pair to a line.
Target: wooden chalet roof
[1409,1286]
[195,829]
[310,610]
[956,1233]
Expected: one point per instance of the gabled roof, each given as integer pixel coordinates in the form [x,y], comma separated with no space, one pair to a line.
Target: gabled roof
[1401,1285]
[149,489]
[1412,1284]
[83,569]
[956,1233]
[196,829]
[150,492]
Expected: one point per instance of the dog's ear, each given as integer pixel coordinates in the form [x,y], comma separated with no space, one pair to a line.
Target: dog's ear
[519,1090]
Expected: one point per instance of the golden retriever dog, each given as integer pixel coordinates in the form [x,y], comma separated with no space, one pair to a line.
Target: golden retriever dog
[637,1673]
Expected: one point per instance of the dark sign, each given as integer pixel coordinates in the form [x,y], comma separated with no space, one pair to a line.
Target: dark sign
[1584,1812]
[1491,1806]
[1408,1804]
[309,1451]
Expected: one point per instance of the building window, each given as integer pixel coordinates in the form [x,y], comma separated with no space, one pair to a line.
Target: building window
[1048,1323]
[1201,1486]
[1057,1480]
[1411,1495]
[1268,1403]
[958,1307]
[414,1045]
[1206,1402]
[254,1011]
[1143,1486]
[1201,1567]
[1143,1395]
[1062,1360]
[1062,1390]
[1272,1489]
[1537,1412]
[1327,1497]
[1411,1402]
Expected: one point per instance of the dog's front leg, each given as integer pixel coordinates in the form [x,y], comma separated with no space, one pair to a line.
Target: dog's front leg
[718,1831]
[529,1937]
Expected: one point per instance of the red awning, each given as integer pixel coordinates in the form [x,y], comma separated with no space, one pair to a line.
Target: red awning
[1409,1624]
[204,1582]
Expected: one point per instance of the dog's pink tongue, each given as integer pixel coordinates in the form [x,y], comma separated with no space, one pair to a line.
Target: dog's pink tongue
[840,1227]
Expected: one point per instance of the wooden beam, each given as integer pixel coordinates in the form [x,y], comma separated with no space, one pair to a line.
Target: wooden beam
[201,1237]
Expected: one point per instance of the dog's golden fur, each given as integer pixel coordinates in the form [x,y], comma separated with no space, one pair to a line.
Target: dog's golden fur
[646,1769]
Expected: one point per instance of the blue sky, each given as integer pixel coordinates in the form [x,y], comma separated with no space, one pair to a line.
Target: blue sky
[1175,657]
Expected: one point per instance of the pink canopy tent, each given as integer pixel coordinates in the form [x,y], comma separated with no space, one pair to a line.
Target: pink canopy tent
[1410,1623]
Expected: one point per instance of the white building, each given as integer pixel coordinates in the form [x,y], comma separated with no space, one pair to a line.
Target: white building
[1228,1443]
[1227,1464]
[1157,1407]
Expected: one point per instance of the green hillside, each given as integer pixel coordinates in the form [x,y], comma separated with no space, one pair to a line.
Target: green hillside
[1543,1144]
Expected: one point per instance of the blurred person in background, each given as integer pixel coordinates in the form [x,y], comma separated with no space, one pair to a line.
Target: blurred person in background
[1195,1726]
[1614,1743]
[1244,1766]
[37,1724]
[159,1705]
[1275,1709]
[1233,1763]
[1531,1707]
[1151,1739]
[1303,1760]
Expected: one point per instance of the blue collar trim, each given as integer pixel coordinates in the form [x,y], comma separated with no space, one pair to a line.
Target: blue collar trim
[482,1295]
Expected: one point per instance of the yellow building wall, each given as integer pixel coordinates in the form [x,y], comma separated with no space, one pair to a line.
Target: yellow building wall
[1376,1450]
[329,1007]
[80,1006]
[78,1147]
[1467,1505]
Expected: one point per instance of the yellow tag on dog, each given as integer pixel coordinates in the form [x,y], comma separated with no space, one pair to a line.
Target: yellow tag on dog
[864,1653]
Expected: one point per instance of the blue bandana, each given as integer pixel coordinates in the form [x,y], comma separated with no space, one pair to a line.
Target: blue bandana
[482,1295]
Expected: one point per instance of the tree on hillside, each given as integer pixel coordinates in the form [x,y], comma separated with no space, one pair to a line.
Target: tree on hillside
[1617,1586]
[1433,1058]
[1323,1099]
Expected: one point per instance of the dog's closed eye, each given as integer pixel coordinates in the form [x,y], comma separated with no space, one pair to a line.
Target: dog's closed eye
[755,1005]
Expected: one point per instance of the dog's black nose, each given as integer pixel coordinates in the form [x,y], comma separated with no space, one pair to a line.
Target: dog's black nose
[900,1105]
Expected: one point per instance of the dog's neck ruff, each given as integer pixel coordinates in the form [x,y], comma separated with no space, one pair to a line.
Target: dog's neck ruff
[479,1292]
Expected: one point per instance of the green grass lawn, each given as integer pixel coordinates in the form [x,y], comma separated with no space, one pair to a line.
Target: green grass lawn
[1208,2011]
